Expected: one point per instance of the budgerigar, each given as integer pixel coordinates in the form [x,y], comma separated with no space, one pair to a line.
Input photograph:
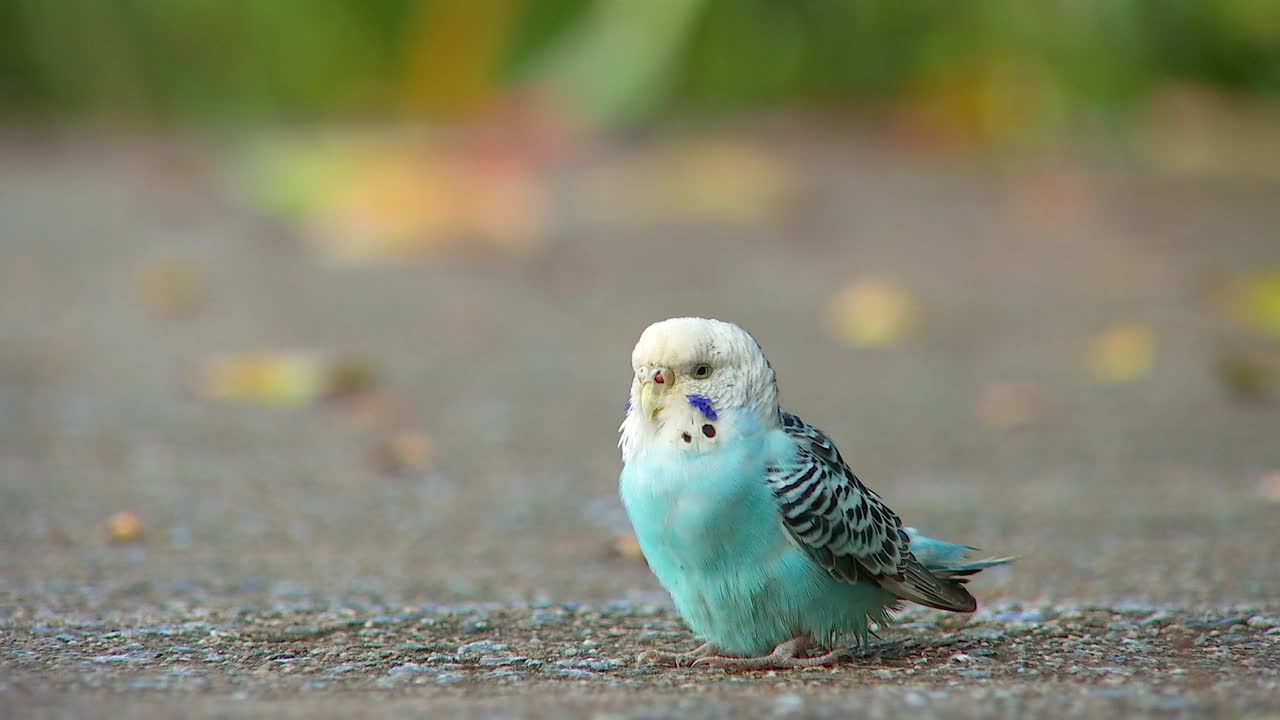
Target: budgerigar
[767,542]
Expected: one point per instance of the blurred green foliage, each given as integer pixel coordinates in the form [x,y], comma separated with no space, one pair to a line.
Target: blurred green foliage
[1043,61]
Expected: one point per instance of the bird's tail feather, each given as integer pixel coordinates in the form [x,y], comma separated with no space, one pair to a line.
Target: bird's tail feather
[937,580]
[946,559]
[961,571]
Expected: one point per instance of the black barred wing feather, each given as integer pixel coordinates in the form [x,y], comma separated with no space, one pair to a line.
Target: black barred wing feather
[836,518]
[846,527]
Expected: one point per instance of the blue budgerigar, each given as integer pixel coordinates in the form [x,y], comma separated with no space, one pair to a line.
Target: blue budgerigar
[750,518]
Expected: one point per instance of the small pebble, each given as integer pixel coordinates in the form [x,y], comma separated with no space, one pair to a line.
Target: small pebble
[480,647]
[111,659]
[549,617]
[500,660]
[600,665]
[1021,616]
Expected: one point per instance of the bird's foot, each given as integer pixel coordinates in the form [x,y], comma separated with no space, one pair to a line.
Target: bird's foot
[678,659]
[785,655]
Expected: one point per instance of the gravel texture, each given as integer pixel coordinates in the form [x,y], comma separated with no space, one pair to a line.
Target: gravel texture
[1021,658]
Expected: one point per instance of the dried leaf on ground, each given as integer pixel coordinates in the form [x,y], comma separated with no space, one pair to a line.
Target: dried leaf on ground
[1122,353]
[1006,405]
[405,450]
[627,547]
[351,376]
[124,527]
[1250,374]
[1053,200]
[1269,486]
[399,197]
[399,207]
[370,409]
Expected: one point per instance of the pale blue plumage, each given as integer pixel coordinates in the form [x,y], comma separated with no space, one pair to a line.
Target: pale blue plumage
[760,532]
[709,527]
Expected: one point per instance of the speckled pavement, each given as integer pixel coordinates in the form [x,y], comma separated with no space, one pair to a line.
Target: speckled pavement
[280,575]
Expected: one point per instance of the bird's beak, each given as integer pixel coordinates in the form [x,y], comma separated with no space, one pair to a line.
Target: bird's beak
[654,383]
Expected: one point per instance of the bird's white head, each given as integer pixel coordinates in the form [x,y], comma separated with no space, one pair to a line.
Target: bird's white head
[696,383]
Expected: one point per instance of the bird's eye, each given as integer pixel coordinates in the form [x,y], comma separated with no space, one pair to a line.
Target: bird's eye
[702,371]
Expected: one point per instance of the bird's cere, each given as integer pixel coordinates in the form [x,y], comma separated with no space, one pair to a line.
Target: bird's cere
[705,406]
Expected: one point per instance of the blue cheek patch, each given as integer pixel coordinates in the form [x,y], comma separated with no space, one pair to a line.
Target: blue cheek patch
[704,406]
[626,408]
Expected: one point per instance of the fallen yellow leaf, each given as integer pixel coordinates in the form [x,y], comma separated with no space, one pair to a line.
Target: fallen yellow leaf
[871,313]
[1122,353]
[272,377]
[1256,302]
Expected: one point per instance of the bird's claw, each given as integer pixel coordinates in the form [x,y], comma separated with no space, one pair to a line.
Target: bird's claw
[769,662]
[676,659]
[658,657]
[716,661]
[784,656]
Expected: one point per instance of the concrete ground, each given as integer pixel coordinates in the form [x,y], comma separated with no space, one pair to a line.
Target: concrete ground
[278,574]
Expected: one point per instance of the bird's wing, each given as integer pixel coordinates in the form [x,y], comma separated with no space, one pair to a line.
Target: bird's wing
[846,527]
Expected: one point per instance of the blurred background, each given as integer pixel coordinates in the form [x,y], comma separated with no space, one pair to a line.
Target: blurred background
[333,301]
[1000,72]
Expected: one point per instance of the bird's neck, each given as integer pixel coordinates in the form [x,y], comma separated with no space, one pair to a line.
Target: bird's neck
[688,429]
